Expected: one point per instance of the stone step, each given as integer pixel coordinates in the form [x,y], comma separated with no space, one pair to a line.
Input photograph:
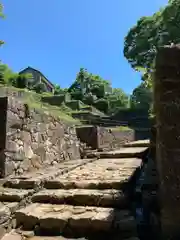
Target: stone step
[79,220]
[6,209]
[13,195]
[27,184]
[87,184]
[130,152]
[13,235]
[34,180]
[100,174]
[83,197]
[23,235]
[139,143]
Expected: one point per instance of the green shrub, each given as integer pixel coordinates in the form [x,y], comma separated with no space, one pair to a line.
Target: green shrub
[2,80]
[89,99]
[39,88]
[102,105]
[20,82]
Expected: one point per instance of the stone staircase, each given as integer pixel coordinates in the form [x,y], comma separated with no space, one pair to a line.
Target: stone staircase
[80,199]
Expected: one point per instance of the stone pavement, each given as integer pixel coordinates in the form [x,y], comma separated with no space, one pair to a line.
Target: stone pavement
[140,143]
[121,153]
[81,199]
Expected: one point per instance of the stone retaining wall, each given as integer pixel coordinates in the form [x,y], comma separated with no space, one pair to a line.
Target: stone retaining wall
[56,100]
[31,140]
[88,135]
[100,137]
[110,139]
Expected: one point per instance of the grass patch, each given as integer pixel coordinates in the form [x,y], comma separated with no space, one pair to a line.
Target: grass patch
[79,111]
[61,112]
[121,128]
[33,100]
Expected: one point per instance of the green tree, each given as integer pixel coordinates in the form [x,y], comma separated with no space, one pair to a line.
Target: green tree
[117,99]
[58,90]
[102,105]
[6,74]
[1,16]
[20,81]
[94,90]
[141,97]
[143,40]
[39,88]
[81,84]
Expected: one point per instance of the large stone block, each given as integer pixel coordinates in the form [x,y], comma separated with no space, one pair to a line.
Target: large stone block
[101,137]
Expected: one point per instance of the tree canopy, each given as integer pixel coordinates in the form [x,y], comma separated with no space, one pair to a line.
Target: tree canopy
[89,88]
[142,42]
[1,16]
[143,39]
[140,46]
[94,90]
[141,97]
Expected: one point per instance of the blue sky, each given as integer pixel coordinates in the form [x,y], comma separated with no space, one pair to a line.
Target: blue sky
[58,37]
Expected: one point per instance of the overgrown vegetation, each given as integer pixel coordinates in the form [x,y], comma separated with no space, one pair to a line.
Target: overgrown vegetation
[1,16]
[144,39]
[92,89]
[33,100]
[88,88]
[121,128]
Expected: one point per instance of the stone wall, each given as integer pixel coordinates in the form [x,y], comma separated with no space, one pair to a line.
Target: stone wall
[31,140]
[101,138]
[128,114]
[56,100]
[88,135]
[9,91]
[109,139]
[167,112]
[134,117]
[74,104]
[142,134]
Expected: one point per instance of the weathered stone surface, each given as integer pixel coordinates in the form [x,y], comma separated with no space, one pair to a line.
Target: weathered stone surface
[5,211]
[29,133]
[84,197]
[122,153]
[56,238]
[31,180]
[12,236]
[85,184]
[59,217]
[13,195]
[4,214]
[101,137]
[99,174]
[112,139]
[167,112]
[139,143]
[26,235]
[87,210]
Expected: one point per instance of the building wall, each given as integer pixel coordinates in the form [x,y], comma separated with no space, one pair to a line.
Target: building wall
[38,78]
